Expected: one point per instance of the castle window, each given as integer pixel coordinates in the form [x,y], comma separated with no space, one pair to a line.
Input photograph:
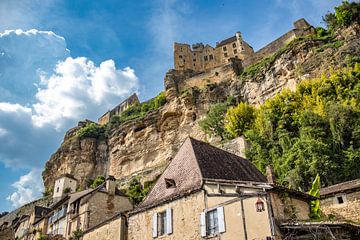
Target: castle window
[224,48]
[205,58]
[57,190]
[194,60]
[194,64]
[180,56]
[235,51]
[234,45]
[194,54]
[225,54]
[211,57]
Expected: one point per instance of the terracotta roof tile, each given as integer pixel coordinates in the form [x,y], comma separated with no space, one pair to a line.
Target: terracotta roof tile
[194,162]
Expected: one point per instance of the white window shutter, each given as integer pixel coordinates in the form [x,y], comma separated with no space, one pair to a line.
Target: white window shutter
[154,225]
[221,220]
[169,221]
[203,224]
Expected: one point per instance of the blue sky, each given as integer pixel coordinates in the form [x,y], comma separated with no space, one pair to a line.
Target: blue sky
[63,61]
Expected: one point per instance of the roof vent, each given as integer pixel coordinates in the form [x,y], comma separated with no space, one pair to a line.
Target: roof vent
[170,183]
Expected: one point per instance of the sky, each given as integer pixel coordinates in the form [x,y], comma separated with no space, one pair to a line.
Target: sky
[62,61]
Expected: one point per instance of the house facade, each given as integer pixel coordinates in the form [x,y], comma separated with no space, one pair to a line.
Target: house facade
[209,193]
[341,201]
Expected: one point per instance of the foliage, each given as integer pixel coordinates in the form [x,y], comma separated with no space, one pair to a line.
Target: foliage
[213,123]
[139,110]
[97,182]
[42,237]
[67,190]
[48,192]
[345,14]
[314,130]
[92,130]
[315,204]
[239,119]
[76,235]
[136,191]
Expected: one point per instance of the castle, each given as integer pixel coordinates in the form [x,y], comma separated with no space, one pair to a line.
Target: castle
[202,58]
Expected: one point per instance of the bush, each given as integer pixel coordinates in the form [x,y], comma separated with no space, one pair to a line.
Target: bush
[92,130]
[136,191]
[97,182]
[239,119]
[345,14]
[139,110]
[213,123]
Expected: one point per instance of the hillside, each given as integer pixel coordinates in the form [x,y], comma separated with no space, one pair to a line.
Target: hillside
[143,144]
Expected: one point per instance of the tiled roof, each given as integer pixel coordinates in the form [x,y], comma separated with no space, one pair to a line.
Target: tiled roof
[41,211]
[341,187]
[197,161]
[226,41]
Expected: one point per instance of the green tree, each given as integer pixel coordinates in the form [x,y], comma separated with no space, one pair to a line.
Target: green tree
[97,181]
[213,123]
[239,119]
[315,204]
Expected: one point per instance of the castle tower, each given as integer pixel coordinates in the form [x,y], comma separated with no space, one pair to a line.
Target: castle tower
[64,184]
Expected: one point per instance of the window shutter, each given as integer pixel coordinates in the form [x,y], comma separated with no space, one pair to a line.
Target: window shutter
[221,220]
[169,221]
[154,225]
[203,224]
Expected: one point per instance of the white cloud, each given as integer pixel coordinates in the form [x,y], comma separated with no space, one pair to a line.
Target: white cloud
[79,89]
[28,188]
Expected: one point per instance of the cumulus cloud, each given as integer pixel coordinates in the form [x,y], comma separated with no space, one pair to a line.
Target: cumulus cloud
[45,92]
[79,89]
[28,188]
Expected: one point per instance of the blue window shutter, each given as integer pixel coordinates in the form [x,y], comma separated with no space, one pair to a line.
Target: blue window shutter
[169,229]
[154,225]
[221,220]
[203,224]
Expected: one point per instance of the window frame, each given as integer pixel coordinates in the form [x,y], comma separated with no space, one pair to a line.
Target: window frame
[212,223]
[161,223]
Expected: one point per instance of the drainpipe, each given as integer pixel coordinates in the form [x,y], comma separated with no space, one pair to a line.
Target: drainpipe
[243,217]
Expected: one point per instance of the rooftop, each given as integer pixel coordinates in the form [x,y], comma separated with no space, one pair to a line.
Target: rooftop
[341,187]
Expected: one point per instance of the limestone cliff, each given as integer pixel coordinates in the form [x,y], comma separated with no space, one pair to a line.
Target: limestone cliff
[145,146]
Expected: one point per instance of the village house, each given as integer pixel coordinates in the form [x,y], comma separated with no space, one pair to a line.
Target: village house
[206,192]
[341,201]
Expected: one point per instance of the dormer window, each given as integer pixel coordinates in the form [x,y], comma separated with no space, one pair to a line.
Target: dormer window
[260,206]
[170,183]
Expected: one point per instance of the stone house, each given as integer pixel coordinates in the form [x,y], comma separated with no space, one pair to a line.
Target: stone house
[341,201]
[206,192]
[200,57]
[130,101]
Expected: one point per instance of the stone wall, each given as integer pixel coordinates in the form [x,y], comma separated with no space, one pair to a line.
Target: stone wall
[114,228]
[349,210]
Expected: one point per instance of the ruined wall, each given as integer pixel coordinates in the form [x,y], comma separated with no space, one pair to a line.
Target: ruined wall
[109,230]
[349,210]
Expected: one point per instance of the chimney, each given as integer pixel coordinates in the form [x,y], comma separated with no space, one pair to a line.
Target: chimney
[110,184]
[270,175]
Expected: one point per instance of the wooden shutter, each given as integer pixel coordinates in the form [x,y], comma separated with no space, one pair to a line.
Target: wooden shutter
[221,220]
[203,224]
[169,221]
[154,225]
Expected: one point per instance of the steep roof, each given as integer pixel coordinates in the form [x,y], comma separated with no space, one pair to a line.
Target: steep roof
[195,162]
[226,41]
[341,187]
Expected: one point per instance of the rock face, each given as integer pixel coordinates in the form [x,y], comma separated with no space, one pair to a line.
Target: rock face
[145,146]
[83,158]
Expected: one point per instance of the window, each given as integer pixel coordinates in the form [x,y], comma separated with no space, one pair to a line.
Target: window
[162,223]
[170,183]
[225,54]
[211,57]
[212,226]
[224,48]
[212,222]
[234,45]
[235,51]
[180,56]
[194,59]
[340,200]
[57,189]
[205,58]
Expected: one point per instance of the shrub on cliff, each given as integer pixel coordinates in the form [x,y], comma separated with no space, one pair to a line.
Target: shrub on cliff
[314,130]
[239,119]
[345,14]
[136,191]
[92,130]
[213,123]
[140,110]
